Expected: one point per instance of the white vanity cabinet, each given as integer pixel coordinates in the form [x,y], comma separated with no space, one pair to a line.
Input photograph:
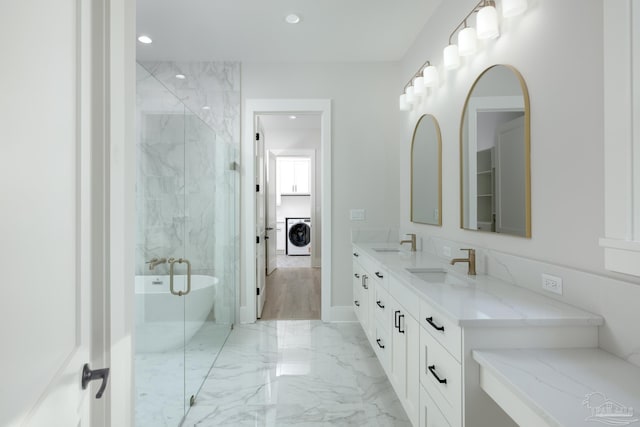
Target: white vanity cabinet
[424,333]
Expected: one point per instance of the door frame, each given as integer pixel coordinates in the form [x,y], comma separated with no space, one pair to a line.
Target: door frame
[117,296]
[253,108]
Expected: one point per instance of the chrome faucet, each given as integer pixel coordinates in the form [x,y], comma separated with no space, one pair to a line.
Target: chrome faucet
[412,241]
[155,261]
[471,260]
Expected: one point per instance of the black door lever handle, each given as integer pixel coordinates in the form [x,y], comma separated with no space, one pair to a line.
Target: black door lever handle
[96,374]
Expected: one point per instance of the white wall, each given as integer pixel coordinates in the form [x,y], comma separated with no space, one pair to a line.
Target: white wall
[558,48]
[364,142]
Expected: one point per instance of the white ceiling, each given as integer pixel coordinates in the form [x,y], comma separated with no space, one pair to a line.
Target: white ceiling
[279,122]
[255,30]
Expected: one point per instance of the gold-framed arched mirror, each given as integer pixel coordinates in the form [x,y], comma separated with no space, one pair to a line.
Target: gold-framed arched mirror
[495,154]
[426,172]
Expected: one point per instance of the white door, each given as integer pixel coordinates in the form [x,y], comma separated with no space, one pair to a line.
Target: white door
[510,181]
[45,220]
[272,222]
[260,226]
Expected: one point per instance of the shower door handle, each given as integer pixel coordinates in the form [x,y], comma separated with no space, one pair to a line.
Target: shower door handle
[171,262]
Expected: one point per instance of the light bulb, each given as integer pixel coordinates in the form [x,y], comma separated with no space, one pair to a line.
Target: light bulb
[431,78]
[418,85]
[404,105]
[467,41]
[513,7]
[487,22]
[451,57]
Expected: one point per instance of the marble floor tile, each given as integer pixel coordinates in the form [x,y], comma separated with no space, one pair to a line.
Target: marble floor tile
[297,372]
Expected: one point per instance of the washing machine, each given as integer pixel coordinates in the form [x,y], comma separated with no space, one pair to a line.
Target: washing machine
[298,236]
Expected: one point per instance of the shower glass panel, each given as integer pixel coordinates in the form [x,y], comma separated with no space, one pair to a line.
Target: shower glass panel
[186,202]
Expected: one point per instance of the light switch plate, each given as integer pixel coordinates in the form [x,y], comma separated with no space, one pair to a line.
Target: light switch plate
[357,214]
[446,251]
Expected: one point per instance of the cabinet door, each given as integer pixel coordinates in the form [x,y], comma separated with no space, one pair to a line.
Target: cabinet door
[301,171]
[286,175]
[405,360]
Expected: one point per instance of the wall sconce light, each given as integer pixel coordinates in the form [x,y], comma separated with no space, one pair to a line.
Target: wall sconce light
[488,27]
[451,57]
[404,105]
[487,21]
[467,41]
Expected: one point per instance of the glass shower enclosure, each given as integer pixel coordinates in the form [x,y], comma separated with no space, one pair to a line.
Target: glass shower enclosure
[187,235]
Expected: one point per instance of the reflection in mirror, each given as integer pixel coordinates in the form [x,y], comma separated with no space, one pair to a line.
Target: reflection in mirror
[495,172]
[426,172]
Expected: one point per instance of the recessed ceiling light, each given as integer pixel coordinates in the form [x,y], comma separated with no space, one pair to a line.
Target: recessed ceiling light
[292,117]
[292,18]
[206,107]
[145,39]
[181,76]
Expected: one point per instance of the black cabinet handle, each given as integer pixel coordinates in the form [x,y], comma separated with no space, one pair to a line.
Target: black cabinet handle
[399,324]
[357,275]
[379,345]
[432,369]
[357,303]
[379,305]
[379,275]
[430,321]
[364,281]
[89,375]
[395,319]
[355,254]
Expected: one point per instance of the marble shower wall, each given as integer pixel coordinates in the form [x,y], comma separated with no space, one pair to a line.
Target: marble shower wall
[187,186]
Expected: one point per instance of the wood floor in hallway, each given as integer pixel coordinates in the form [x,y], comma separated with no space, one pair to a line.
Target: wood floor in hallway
[292,293]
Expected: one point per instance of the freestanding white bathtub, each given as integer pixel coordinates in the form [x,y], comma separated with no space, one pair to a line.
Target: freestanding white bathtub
[165,321]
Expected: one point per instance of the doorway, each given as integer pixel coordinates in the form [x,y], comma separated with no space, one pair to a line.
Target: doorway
[292,238]
[255,213]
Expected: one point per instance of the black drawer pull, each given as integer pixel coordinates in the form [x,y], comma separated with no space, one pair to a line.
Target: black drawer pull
[379,345]
[430,321]
[356,275]
[379,275]
[395,319]
[357,303]
[432,369]
[365,279]
[355,254]
[379,304]
[400,330]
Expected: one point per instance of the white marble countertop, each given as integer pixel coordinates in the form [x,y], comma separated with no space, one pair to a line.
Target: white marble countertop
[569,387]
[481,300]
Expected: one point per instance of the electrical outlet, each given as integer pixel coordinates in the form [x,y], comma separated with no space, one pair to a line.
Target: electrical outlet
[446,251]
[552,284]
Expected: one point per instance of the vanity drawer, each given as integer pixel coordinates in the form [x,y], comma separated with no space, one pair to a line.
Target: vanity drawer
[430,414]
[445,331]
[382,345]
[441,374]
[382,306]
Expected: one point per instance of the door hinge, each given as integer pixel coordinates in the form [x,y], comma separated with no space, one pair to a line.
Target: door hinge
[257,188]
[257,137]
[258,289]
[257,240]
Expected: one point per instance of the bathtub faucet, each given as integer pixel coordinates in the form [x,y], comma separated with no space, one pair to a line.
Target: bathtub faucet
[155,261]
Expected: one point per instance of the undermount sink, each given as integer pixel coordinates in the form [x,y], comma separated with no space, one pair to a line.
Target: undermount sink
[386,250]
[436,275]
